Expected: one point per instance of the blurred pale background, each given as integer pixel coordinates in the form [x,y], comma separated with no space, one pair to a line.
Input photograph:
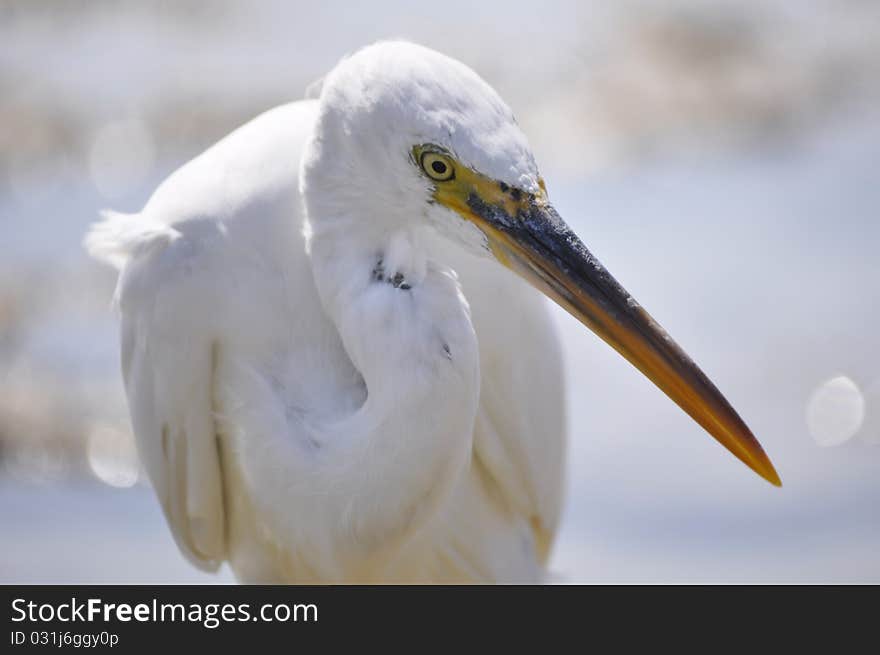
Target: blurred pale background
[721,158]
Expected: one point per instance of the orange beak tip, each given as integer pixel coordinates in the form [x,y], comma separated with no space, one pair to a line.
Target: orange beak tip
[761,464]
[771,475]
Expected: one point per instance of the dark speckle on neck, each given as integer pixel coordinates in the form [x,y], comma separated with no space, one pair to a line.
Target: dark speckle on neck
[398,281]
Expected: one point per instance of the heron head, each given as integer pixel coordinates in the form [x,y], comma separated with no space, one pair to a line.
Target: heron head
[401,125]
[410,136]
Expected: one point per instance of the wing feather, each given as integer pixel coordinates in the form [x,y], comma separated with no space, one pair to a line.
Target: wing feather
[168,364]
[519,435]
[195,264]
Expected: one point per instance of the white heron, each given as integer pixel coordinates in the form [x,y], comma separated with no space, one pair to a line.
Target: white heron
[330,375]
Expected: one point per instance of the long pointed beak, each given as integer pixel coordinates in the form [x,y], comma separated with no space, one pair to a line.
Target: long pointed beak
[527,235]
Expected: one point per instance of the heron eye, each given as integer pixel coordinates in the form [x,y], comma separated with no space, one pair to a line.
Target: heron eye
[437,167]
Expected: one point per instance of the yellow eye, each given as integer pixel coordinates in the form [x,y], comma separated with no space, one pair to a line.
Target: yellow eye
[436,166]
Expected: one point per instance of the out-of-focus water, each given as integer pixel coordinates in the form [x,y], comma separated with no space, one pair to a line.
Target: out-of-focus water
[756,252]
[762,266]
[765,270]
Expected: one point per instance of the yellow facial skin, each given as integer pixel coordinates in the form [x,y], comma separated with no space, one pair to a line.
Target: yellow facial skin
[456,192]
[526,235]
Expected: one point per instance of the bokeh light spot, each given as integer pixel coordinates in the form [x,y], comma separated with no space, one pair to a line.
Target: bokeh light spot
[121,156]
[836,411]
[112,456]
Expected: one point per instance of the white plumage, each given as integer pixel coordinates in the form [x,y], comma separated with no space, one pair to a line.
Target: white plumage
[304,438]
[330,377]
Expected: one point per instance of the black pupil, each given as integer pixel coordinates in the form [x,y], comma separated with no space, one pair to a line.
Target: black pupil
[439,167]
